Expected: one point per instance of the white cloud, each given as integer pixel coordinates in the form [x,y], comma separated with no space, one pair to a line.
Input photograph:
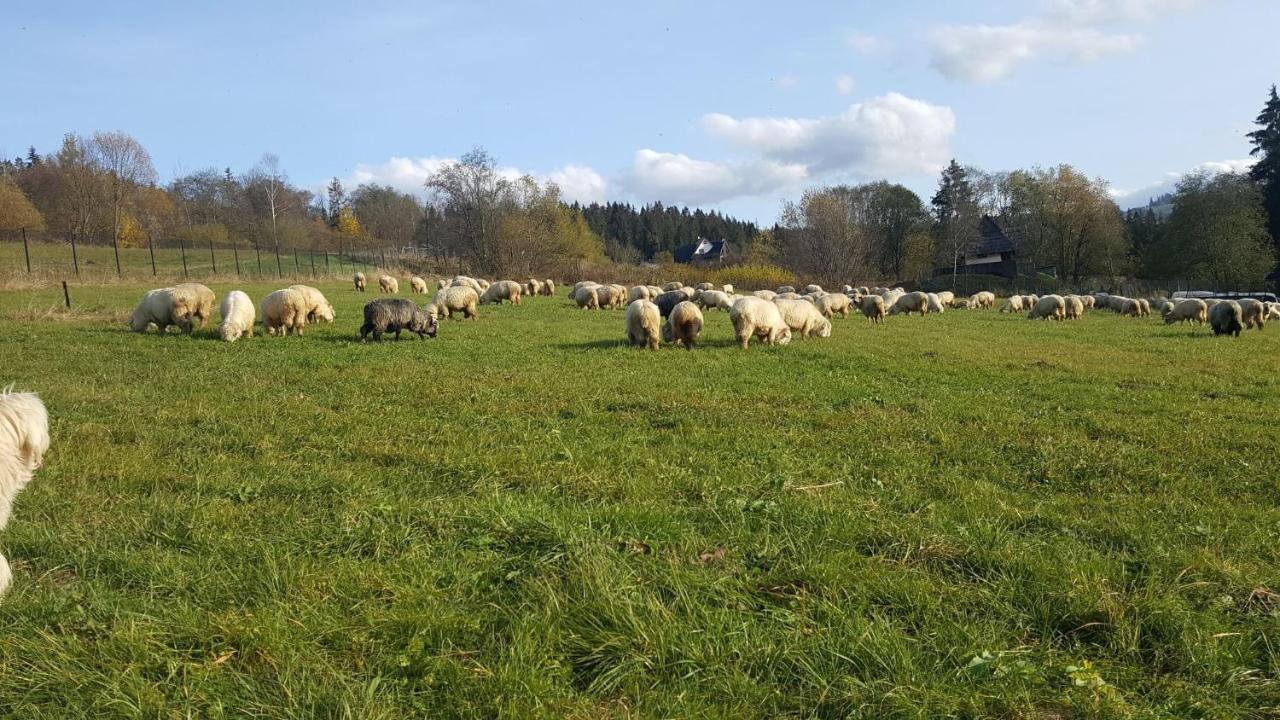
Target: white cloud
[1136,197]
[1069,31]
[984,53]
[867,43]
[577,182]
[580,183]
[786,82]
[845,84]
[888,135]
[678,178]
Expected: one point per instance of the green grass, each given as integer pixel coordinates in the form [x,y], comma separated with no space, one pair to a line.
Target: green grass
[524,518]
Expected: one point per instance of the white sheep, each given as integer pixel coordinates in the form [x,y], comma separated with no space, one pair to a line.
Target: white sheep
[713,299]
[1013,304]
[198,299]
[508,290]
[683,325]
[388,284]
[803,318]
[909,303]
[765,295]
[548,287]
[318,307]
[785,289]
[162,308]
[946,298]
[811,288]
[754,317]
[238,316]
[359,280]
[1073,307]
[643,324]
[672,286]
[983,299]
[24,439]
[1186,310]
[935,303]
[586,297]
[872,307]
[283,312]
[417,285]
[455,299]
[833,304]
[1049,307]
[703,286]
[727,289]
[639,292]
[1253,313]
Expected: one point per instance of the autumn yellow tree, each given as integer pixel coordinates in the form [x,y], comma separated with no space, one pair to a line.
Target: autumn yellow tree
[348,225]
[16,211]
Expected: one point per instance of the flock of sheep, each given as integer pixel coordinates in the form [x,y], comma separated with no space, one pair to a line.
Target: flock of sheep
[673,313]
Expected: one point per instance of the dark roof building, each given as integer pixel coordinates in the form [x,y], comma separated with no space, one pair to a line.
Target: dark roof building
[701,251]
[993,253]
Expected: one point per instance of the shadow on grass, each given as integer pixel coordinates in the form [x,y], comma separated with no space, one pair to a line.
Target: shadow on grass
[621,343]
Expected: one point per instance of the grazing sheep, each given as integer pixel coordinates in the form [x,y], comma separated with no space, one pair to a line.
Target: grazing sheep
[388,284]
[891,297]
[638,292]
[654,291]
[668,300]
[586,297]
[548,287]
[163,308]
[946,298]
[442,284]
[788,296]
[1159,305]
[1226,318]
[238,316]
[1129,307]
[834,304]
[508,290]
[703,286]
[1273,311]
[872,307]
[961,303]
[459,298]
[388,315]
[1049,307]
[533,287]
[712,299]
[610,296]
[1210,302]
[683,325]
[812,289]
[983,299]
[318,307]
[752,316]
[1144,308]
[1188,309]
[672,286]
[284,311]
[1013,304]
[935,303]
[417,285]
[464,281]
[765,294]
[785,289]
[909,303]
[1253,313]
[24,439]
[727,289]
[198,299]
[803,318]
[484,284]
[360,281]
[643,324]
[1073,307]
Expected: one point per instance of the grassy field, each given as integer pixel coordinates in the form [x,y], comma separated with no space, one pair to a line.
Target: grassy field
[967,515]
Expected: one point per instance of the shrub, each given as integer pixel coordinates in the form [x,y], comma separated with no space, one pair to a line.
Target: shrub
[758,276]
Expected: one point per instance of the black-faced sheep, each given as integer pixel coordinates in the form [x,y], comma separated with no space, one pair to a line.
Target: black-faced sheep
[388,315]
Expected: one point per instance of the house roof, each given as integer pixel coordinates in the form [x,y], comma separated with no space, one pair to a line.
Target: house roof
[994,239]
[711,250]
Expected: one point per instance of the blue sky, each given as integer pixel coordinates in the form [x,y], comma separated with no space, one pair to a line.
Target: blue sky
[732,105]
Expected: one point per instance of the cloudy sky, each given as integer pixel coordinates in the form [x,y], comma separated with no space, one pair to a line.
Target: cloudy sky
[733,105]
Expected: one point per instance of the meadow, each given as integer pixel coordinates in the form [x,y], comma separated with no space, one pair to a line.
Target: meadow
[966,515]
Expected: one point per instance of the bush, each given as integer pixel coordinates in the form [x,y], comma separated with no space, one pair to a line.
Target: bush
[758,276]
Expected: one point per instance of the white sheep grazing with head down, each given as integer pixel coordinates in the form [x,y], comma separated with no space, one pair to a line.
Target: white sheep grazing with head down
[784,289]
[684,324]
[586,297]
[909,303]
[508,290]
[534,287]
[811,288]
[673,285]
[284,311]
[442,284]
[983,299]
[1049,307]
[238,316]
[198,299]
[318,307]
[703,286]
[935,303]
[1253,313]
[1273,311]
[1129,307]
[24,439]
[833,304]
[803,318]
[548,287]
[359,280]
[417,285]
[388,284]
[455,299]
[946,298]
[643,324]
[765,295]
[1073,307]
[712,299]
[161,307]
[872,307]
[727,289]
[1186,310]
[1013,304]
[753,317]
[638,292]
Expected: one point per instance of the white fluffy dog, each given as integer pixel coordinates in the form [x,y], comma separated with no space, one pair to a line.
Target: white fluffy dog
[24,438]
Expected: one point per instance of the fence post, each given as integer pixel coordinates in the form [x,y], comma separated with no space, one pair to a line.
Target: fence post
[66,294]
[297,269]
[236,252]
[212,260]
[26,250]
[384,257]
[327,271]
[75,257]
[115,245]
[151,247]
[313,263]
[258,253]
[183,247]
[279,267]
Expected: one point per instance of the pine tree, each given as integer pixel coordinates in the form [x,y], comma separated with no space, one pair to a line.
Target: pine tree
[1266,148]
[955,208]
[337,201]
